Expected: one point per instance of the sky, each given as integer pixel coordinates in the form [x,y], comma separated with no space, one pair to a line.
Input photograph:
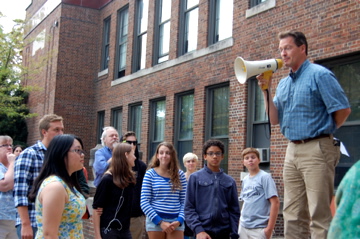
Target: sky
[13,9]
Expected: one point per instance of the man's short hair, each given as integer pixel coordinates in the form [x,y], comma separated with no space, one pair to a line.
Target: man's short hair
[103,135]
[127,134]
[45,121]
[4,138]
[213,142]
[299,38]
[250,150]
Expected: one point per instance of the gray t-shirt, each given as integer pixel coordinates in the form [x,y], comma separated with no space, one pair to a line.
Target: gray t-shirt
[255,192]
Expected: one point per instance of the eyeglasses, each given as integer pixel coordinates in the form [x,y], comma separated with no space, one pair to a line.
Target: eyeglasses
[287,49]
[211,154]
[78,151]
[6,145]
[131,142]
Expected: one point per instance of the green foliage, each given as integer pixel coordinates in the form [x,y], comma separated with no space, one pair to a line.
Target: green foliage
[13,94]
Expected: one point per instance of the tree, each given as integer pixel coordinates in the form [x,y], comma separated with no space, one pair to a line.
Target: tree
[13,94]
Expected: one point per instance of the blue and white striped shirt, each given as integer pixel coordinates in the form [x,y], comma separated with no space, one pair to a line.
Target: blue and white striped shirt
[27,167]
[159,201]
[306,100]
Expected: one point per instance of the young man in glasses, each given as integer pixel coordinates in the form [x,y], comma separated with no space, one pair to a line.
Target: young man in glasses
[211,204]
[137,216]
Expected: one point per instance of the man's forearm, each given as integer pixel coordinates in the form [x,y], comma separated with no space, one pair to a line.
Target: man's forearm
[270,107]
[340,116]
[24,215]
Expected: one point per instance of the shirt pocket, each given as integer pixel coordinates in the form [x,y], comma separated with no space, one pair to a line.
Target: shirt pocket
[225,184]
[206,183]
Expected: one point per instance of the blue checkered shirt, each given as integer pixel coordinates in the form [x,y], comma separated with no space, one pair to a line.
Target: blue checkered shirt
[306,100]
[27,168]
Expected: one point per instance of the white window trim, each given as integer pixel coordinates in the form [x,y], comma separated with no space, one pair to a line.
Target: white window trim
[262,7]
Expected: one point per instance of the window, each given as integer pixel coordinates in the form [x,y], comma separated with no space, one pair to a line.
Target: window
[106,44]
[220,20]
[258,131]
[346,69]
[217,117]
[116,120]
[258,135]
[162,31]
[135,118]
[123,23]
[253,3]
[259,6]
[100,125]
[189,26]
[140,38]
[157,124]
[184,123]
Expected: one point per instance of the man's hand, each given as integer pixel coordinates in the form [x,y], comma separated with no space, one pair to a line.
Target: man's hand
[11,157]
[263,82]
[27,232]
[202,235]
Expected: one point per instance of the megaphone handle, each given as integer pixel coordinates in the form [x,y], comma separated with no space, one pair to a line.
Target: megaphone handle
[267,75]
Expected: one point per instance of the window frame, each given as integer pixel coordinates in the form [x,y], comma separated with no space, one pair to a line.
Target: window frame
[121,71]
[115,118]
[214,9]
[105,53]
[100,124]
[252,122]
[134,119]
[157,57]
[209,121]
[183,46]
[177,126]
[140,38]
[153,143]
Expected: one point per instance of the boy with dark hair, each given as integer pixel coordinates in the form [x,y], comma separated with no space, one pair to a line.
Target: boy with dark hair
[261,202]
[211,204]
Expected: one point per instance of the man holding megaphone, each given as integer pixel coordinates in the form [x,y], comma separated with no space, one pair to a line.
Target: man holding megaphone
[309,105]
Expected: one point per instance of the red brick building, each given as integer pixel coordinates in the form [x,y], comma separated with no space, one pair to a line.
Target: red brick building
[165,69]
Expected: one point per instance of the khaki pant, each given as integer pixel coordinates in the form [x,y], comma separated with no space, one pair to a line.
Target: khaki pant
[137,225]
[7,229]
[309,171]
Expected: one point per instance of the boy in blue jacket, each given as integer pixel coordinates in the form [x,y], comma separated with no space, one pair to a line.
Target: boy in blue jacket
[211,203]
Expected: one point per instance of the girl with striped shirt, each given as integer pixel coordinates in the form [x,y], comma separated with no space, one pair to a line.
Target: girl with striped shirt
[163,195]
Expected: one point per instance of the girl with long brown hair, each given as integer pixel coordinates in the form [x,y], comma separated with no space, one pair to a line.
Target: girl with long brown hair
[163,195]
[113,197]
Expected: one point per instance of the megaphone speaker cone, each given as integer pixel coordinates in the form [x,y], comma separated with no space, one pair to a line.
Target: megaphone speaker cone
[240,70]
[246,69]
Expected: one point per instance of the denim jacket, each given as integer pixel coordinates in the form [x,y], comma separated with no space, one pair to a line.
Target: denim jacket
[211,202]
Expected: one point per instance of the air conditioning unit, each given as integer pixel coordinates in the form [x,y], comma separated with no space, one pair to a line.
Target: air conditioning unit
[264,155]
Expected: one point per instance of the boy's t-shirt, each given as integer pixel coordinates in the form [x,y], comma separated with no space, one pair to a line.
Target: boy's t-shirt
[255,192]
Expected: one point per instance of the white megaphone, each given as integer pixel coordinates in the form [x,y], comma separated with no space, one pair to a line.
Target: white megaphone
[246,69]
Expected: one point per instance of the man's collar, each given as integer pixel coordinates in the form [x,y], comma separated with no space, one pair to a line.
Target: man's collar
[295,75]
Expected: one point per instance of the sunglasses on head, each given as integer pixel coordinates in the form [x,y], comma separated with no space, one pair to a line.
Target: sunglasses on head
[131,142]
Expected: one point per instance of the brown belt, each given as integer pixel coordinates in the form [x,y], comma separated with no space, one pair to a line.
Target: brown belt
[309,139]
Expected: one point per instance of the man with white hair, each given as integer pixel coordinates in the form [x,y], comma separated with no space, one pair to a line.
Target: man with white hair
[109,137]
